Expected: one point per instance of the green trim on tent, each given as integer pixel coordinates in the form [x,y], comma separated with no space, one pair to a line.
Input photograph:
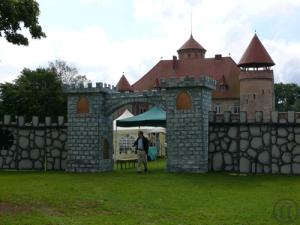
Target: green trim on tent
[153,117]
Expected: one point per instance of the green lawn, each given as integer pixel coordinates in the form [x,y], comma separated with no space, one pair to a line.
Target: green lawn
[125,197]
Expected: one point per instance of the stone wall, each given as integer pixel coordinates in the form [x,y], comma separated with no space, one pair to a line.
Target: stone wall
[270,146]
[187,129]
[34,145]
[86,135]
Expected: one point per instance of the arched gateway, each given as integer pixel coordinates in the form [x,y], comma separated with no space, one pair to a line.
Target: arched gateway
[90,145]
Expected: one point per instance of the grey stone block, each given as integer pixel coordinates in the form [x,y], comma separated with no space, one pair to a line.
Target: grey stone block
[25,164]
[24,142]
[233,146]
[34,154]
[275,168]
[296,168]
[256,142]
[285,169]
[244,165]
[232,132]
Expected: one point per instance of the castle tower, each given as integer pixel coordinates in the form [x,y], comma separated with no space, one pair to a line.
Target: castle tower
[256,80]
[191,49]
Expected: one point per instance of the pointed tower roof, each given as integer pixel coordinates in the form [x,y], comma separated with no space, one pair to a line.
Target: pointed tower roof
[123,85]
[191,44]
[256,55]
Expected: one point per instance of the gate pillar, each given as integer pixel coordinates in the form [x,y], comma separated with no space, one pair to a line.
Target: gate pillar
[89,130]
[188,102]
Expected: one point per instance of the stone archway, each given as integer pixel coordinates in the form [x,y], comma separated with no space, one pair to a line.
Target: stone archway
[187,130]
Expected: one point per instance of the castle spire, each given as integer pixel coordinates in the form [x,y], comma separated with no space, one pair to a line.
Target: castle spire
[256,55]
[191,49]
[123,84]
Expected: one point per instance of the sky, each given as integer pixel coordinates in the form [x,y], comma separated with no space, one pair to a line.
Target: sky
[104,38]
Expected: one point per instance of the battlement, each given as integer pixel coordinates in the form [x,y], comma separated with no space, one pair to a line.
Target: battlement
[188,81]
[276,117]
[145,93]
[90,88]
[19,121]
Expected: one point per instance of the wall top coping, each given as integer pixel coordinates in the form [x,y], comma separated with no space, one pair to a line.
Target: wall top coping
[275,117]
[90,88]
[19,121]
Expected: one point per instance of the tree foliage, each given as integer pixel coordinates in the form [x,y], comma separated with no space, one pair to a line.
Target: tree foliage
[67,74]
[39,92]
[287,97]
[16,15]
[35,92]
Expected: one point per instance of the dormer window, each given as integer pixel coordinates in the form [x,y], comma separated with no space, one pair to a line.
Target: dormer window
[223,86]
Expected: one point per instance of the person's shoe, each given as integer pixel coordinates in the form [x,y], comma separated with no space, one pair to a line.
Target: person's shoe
[146,170]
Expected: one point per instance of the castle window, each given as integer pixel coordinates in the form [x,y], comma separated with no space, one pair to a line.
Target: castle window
[105,149]
[217,108]
[236,109]
[183,101]
[83,105]
[254,96]
[263,91]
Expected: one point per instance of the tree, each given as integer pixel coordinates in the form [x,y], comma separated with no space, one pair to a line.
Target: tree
[287,97]
[16,14]
[35,92]
[68,74]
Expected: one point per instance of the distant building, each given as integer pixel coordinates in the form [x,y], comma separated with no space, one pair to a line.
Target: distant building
[246,86]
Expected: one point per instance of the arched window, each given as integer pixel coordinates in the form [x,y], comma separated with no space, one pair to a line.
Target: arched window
[83,105]
[6,139]
[105,149]
[183,101]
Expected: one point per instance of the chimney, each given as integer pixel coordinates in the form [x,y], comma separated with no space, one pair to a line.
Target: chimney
[174,62]
[218,56]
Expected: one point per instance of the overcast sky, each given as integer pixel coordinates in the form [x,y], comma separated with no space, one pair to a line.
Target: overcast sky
[104,38]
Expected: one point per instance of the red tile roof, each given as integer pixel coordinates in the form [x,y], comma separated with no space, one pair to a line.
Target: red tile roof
[215,68]
[191,44]
[256,55]
[123,85]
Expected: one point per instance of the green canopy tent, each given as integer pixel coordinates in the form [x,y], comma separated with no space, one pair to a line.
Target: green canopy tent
[154,117]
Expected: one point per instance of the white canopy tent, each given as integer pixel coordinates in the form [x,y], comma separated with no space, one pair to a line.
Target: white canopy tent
[124,136]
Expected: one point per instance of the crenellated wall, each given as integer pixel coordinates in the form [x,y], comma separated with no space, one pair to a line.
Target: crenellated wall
[33,145]
[270,146]
[235,144]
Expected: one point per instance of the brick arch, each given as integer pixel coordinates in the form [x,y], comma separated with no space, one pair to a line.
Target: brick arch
[113,104]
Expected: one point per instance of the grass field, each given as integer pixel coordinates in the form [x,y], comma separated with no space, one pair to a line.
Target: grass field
[125,197]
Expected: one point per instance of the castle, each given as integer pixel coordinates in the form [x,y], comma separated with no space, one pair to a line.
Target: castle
[247,86]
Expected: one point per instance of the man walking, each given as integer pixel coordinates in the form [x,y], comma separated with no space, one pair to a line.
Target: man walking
[141,145]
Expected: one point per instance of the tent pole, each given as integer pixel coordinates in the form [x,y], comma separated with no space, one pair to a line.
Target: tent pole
[116,140]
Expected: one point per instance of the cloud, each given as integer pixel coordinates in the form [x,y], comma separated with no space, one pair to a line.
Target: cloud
[97,2]
[220,26]
[228,26]
[88,49]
